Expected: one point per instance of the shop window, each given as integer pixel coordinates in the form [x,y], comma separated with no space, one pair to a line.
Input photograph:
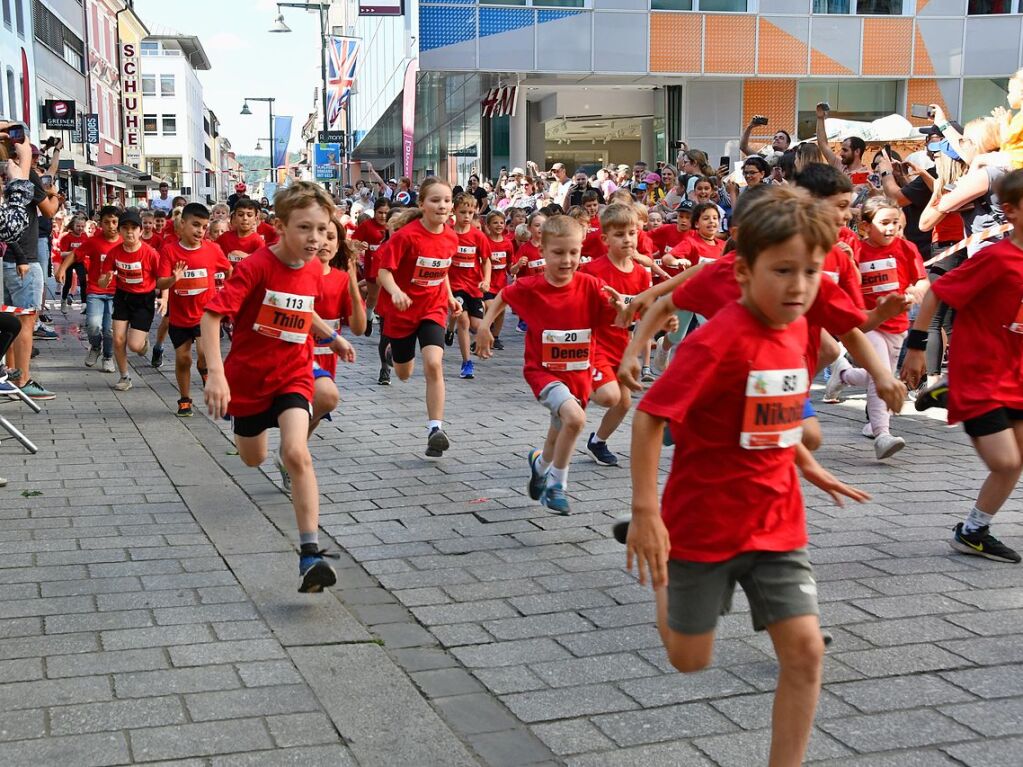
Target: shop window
[671,5]
[857,100]
[148,85]
[859,7]
[149,125]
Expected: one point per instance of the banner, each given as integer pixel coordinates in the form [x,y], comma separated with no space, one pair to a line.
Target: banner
[408,117]
[498,102]
[381,8]
[326,162]
[131,104]
[343,54]
[282,136]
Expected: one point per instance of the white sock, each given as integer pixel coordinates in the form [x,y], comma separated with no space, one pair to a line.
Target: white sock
[541,465]
[976,519]
[431,425]
[558,476]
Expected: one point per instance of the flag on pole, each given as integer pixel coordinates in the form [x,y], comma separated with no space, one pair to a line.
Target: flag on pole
[282,136]
[343,55]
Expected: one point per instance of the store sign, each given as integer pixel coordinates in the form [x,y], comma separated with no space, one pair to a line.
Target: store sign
[59,115]
[92,129]
[498,102]
[131,103]
[76,132]
[331,137]
[381,7]
[327,161]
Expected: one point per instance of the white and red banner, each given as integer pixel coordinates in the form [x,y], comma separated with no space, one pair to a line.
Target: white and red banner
[408,117]
[498,102]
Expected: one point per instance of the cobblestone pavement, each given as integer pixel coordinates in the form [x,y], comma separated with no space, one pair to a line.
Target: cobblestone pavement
[148,612]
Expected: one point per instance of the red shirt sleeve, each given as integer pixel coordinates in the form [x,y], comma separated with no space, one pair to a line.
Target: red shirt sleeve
[834,310]
[229,300]
[960,286]
[690,373]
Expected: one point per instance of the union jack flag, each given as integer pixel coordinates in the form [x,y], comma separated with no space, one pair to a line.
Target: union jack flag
[343,55]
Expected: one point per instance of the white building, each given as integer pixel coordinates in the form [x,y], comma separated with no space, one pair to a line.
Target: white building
[173,122]
[17,64]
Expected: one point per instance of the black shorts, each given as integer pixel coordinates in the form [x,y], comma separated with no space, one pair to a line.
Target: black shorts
[470,304]
[182,336]
[429,333]
[992,422]
[254,425]
[488,296]
[137,309]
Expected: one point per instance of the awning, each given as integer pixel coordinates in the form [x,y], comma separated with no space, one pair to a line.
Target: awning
[118,184]
[133,176]
[89,170]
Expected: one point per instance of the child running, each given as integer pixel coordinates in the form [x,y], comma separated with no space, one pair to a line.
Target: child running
[561,309]
[501,253]
[242,239]
[371,233]
[69,243]
[266,381]
[985,369]
[416,297]
[188,269]
[732,509]
[469,278]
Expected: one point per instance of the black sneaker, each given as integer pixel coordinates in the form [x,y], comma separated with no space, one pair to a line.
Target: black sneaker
[184,407]
[369,327]
[449,338]
[314,573]
[436,443]
[498,344]
[537,479]
[620,529]
[935,395]
[600,452]
[384,379]
[980,543]
[157,361]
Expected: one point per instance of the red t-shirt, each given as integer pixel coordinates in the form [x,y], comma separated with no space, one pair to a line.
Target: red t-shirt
[733,398]
[985,362]
[560,321]
[841,270]
[230,242]
[645,244]
[268,232]
[371,233]
[93,253]
[334,306]
[168,228]
[665,239]
[72,242]
[187,298]
[593,247]
[135,272]
[611,340]
[500,259]
[271,349]
[420,262]
[890,269]
[466,272]
[155,242]
[714,287]
[697,250]
[534,260]
[850,238]
[594,225]
[949,229]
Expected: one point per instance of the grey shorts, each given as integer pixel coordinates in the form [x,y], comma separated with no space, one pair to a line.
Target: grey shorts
[778,585]
[553,396]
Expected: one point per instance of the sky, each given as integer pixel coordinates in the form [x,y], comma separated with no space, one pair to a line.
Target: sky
[247,60]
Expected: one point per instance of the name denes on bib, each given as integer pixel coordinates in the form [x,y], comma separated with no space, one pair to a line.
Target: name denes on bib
[285,316]
[773,416]
[565,349]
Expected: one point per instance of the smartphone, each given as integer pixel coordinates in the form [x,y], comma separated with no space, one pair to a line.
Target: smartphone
[920,111]
[874,180]
[46,181]
[725,162]
[859,178]
[888,150]
[16,134]
[759,120]
[825,106]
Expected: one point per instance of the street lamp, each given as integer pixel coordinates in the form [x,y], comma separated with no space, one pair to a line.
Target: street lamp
[279,25]
[270,102]
[259,147]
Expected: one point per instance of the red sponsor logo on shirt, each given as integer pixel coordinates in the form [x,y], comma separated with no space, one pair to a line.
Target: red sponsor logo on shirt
[773,416]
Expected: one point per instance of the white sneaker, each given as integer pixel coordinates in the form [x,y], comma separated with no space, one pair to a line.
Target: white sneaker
[835,384]
[659,363]
[108,365]
[285,476]
[868,430]
[91,358]
[885,446]
[124,384]
[64,305]
[145,350]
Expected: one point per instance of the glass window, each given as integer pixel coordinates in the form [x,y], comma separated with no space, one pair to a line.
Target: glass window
[671,5]
[150,49]
[983,7]
[170,125]
[149,125]
[148,85]
[832,6]
[12,94]
[879,7]
[723,6]
[980,96]
[7,13]
[166,85]
[19,14]
[858,100]
[73,57]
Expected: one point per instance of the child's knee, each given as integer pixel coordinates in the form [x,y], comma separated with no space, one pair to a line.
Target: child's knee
[688,661]
[403,370]
[607,395]
[803,656]
[326,399]
[573,417]
[296,458]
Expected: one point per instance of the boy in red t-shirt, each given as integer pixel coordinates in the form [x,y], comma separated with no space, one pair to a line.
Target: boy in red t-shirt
[188,268]
[619,225]
[132,266]
[501,253]
[985,368]
[149,230]
[267,228]
[69,243]
[242,239]
[367,237]
[470,279]
[267,381]
[561,308]
[732,509]
[99,303]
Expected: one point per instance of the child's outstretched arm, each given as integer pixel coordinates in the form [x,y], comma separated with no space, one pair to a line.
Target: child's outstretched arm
[648,544]
[817,475]
[216,392]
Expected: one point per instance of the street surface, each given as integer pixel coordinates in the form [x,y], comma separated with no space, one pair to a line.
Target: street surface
[148,610]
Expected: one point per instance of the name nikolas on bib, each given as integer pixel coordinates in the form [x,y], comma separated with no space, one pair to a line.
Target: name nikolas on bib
[285,316]
[774,408]
[430,272]
[566,349]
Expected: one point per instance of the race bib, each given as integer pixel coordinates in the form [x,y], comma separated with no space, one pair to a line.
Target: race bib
[465,258]
[129,272]
[1017,325]
[880,276]
[706,260]
[237,256]
[498,260]
[565,349]
[430,272]
[323,347]
[774,408]
[373,248]
[285,316]
[192,283]
[833,276]
[537,264]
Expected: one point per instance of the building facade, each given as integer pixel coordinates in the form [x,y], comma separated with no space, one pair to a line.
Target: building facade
[617,80]
[17,64]
[173,121]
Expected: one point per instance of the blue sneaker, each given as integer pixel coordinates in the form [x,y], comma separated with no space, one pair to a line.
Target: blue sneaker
[6,387]
[554,498]
[468,370]
[314,571]
[521,327]
[600,452]
[537,479]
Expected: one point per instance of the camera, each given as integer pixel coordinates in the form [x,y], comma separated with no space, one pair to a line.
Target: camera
[677,144]
[759,120]
[825,106]
[16,134]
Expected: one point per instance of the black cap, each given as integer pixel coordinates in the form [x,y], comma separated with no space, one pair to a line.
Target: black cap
[934,130]
[129,217]
[686,206]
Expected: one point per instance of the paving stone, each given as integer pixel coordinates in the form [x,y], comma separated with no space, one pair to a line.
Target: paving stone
[309,756]
[746,748]
[308,729]
[653,725]
[753,712]
[890,694]
[21,670]
[509,653]
[996,682]
[603,668]
[96,750]
[22,725]
[659,755]
[510,748]
[225,652]
[109,662]
[267,673]
[475,713]
[116,715]
[988,717]
[1001,753]
[568,702]
[895,661]
[915,758]
[54,692]
[204,739]
[573,736]
[665,690]
[126,619]
[157,636]
[896,729]
[509,679]
[537,626]
[250,701]
[888,633]
[175,681]
[464,612]
[986,651]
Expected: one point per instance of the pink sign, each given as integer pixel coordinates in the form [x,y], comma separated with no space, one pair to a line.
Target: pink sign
[408,117]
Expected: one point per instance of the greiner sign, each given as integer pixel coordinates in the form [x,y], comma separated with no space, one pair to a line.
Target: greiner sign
[131,103]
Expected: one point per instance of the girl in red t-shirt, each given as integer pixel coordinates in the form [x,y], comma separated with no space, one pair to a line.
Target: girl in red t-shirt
[703,245]
[501,254]
[69,243]
[888,264]
[415,298]
[367,239]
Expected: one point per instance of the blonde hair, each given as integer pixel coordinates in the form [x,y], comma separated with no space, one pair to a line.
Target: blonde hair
[620,195]
[618,216]
[560,226]
[578,212]
[875,205]
[302,194]
[949,172]
[984,133]
[783,212]
[808,154]
[402,217]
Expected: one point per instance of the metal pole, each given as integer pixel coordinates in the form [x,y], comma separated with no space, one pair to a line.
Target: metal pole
[273,171]
[323,63]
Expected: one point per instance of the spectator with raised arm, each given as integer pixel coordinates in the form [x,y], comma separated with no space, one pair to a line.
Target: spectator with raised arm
[850,160]
[780,142]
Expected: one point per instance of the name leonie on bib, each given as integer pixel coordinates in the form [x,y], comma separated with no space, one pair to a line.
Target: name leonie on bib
[285,316]
[430,272]
[566,349]
[773,416]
